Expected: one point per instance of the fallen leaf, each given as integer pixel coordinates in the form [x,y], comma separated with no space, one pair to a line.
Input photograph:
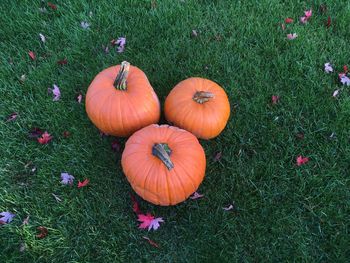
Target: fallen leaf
[62,62]
[67,178]
[308,13]
[196,195]
[228,208]
[151,242]
[329,22]
[42,38]
[115,146]
[292,36]
[25,221]
[66,134]
[303,20]
[275,99]
[57,198]
[32,55]
[217,156]
[335,93]
[35,133]
[42,232]
[52,6]
[56,92]
[45,138]
[12,116]
[6,217]
[328,67]
[148,221]
[302,160]
[120,42]
[288,20]
[194,33]
[345,68]
[345,80]
[85,25]
[79,97]
[135,204]
[83,183]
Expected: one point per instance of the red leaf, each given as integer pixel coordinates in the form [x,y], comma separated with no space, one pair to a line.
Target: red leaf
[302,160]
[32,55]
[83,183]
[66,134]
[149,221]
[329,22]
[288,20]
[135,204]
[52,6]
[275,99]
[12,116]
[151,242]
[43,232]
[62,62]
[345,67]
[45,138]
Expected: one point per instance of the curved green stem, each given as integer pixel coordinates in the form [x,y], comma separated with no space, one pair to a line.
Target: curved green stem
[162,152]
[120,80]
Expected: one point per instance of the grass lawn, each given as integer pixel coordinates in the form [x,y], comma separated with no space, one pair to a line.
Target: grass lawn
[283,212]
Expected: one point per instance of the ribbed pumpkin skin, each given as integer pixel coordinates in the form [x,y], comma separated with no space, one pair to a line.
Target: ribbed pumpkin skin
[148,175]
[122,112]
[205,120]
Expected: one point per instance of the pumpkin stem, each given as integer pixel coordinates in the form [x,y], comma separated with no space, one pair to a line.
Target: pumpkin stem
[120,80]
[202,96]
[162,152]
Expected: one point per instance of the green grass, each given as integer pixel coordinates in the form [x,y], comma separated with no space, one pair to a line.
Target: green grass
[284,213]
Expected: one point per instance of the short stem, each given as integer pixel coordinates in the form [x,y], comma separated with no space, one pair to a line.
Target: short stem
[202,96]
[120,80]
[162,152]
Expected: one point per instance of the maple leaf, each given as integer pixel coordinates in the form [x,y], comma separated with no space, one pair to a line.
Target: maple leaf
[67,178]
[303,20]
[42,232]
[275,99]
[328,67]
[45,138]
[292,36]
[6,217]
[120,42]
[135,204]
[32,55]
[85,25]
[151,242]
[308,13]
[42,38]
[302,160]
[62,62]
[196,195]
[56,92]
[149,221]
[345,80]
[12,116]
[52,6]
[288,20]
[35,133]
[83,183]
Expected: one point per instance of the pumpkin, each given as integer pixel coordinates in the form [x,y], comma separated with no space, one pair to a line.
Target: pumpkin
[120,100]
[198,105]
[163,164]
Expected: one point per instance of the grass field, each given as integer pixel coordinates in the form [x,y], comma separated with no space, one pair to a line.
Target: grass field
[283,213]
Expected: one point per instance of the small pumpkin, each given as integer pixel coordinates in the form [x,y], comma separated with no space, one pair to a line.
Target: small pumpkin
[198,105]
[120,100]
[163,164]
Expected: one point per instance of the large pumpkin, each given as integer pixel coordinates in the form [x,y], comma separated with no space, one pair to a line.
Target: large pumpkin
[120,100]
[163,164]
[198,105]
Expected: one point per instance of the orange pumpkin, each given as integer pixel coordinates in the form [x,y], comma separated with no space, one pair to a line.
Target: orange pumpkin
[120,100]
[164,164]
[198,105]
